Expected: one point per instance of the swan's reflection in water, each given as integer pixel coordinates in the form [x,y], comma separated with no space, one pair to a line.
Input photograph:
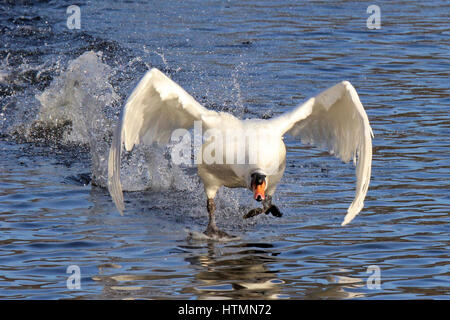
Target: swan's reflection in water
[228,271]
[211,271]
[240,271]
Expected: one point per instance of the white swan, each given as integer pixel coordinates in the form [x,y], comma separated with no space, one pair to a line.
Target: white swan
[334,119]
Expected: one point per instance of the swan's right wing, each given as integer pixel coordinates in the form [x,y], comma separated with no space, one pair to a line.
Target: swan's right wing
[156,108]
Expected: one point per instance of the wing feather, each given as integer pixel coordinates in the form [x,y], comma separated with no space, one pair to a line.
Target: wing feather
[156,107]
[336,120]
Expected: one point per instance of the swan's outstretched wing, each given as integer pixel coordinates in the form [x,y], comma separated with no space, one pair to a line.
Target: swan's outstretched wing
[154,110]
[336,120]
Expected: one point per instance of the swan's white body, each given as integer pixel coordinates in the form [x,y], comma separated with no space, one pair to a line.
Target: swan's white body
[335,119]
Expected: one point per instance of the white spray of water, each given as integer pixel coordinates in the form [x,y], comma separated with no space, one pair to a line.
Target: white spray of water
[82,95]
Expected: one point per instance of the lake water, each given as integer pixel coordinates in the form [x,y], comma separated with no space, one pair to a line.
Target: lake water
[60,94]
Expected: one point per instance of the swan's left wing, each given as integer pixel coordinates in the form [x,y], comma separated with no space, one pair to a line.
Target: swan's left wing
[154,110]
[336,120]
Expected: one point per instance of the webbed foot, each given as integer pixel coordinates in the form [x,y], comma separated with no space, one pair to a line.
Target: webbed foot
[253,212]
[268,208]
[273,209]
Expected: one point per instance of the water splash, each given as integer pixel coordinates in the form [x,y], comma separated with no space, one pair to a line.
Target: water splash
[81,97]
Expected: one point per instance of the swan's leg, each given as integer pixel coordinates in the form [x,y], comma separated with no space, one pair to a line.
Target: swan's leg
[212,230]
[267,208]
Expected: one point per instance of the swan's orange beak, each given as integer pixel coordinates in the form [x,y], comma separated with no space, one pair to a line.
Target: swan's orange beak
[259,191]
